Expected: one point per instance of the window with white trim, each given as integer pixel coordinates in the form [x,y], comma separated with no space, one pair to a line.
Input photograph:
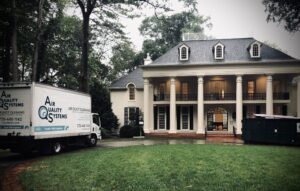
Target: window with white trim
[185,119]
[131,90]
[185,90]
[219,51]
[131,115]
[255,50]
[162,117]
[184,53]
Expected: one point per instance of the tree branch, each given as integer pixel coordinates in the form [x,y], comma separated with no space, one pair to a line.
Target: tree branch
[81,5]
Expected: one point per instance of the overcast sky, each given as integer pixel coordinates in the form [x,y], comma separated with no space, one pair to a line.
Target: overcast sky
[233,19]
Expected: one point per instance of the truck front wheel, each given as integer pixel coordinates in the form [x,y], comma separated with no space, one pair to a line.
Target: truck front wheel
[92,141]
[56,147]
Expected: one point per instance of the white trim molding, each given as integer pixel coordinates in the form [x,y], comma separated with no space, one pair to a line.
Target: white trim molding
[184,52]
[255,49]
[217,49]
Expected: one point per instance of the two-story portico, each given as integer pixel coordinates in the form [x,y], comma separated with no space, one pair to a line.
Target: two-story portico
[209,86]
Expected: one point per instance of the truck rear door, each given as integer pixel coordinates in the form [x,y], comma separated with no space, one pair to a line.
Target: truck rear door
[15,110]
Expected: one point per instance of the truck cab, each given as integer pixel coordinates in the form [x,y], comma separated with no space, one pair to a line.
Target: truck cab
[96,125]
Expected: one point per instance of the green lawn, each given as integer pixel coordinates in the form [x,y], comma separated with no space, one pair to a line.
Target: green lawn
[169,167]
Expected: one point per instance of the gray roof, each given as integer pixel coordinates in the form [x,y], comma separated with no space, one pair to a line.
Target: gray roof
[135,77]
[236,50]
[201,52]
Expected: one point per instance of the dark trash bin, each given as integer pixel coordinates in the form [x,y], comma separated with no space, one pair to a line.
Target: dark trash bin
[271,131]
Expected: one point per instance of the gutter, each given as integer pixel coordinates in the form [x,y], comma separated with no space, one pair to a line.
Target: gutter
[214,64]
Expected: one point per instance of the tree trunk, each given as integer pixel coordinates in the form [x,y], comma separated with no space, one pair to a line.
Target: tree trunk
[85,49]
[6,63]
[37,42]
[14,60]
[23,68]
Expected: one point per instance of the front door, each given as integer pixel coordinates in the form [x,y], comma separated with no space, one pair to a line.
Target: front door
[217,119]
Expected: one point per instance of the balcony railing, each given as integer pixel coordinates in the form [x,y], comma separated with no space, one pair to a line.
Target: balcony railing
[161,97]
[262,96]
[281,96]
[186,97]
[254,96]
[220,96]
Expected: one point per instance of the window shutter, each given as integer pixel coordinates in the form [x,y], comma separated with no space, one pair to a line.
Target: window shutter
[178,111]
[191,118]
[284,110]
[244,111]
[155,117]
[137,116]
[257,109]
[168,117]
[125,115]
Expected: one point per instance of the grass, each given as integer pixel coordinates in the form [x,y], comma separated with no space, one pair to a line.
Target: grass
[169,167]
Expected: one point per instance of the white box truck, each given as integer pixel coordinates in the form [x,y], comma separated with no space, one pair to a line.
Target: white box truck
[40,117]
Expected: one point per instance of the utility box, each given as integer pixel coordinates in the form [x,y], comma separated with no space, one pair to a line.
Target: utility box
[282,131]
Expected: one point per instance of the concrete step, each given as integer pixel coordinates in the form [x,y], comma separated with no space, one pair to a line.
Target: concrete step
[221,135]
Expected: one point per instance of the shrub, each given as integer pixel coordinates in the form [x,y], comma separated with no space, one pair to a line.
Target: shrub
[108,133]
[101,104]
[128,131]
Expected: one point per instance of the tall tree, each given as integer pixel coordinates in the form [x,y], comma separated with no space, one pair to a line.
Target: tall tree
[164,32]
[14,60]
[5,39]
[8,47]
[122,59]
[161,33]
[111,9]
[37,41]
[287,11]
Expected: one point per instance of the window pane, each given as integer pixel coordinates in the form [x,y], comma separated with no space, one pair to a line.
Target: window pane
[217,86]
[185,90]
[255,50]
[251,88]
[161,117]
[185,117]
[219,52]
[183,53]
[131,92]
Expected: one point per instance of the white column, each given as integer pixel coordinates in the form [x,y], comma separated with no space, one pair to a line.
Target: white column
[269,96]
[173,106]
[146,106]
[298,96]
[151,110]
[200,107]
[239,105]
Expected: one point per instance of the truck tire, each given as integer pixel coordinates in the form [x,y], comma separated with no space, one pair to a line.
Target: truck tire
[92,141]
[56,147]
[45,148]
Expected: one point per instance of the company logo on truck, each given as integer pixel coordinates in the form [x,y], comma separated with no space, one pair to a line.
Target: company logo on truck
[7,101]
[49,111]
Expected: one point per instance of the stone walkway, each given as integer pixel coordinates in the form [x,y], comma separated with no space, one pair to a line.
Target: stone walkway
[160,141]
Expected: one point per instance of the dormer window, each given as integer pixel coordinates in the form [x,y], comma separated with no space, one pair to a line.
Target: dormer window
[131,89]
[219,51]
[183,52]
[255,50]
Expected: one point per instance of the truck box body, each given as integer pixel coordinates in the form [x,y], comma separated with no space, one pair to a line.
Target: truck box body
[43,112]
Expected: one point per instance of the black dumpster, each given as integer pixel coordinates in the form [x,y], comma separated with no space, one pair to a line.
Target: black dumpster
[271,131]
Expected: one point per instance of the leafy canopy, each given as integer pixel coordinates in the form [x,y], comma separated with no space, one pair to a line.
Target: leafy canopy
[286,11]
